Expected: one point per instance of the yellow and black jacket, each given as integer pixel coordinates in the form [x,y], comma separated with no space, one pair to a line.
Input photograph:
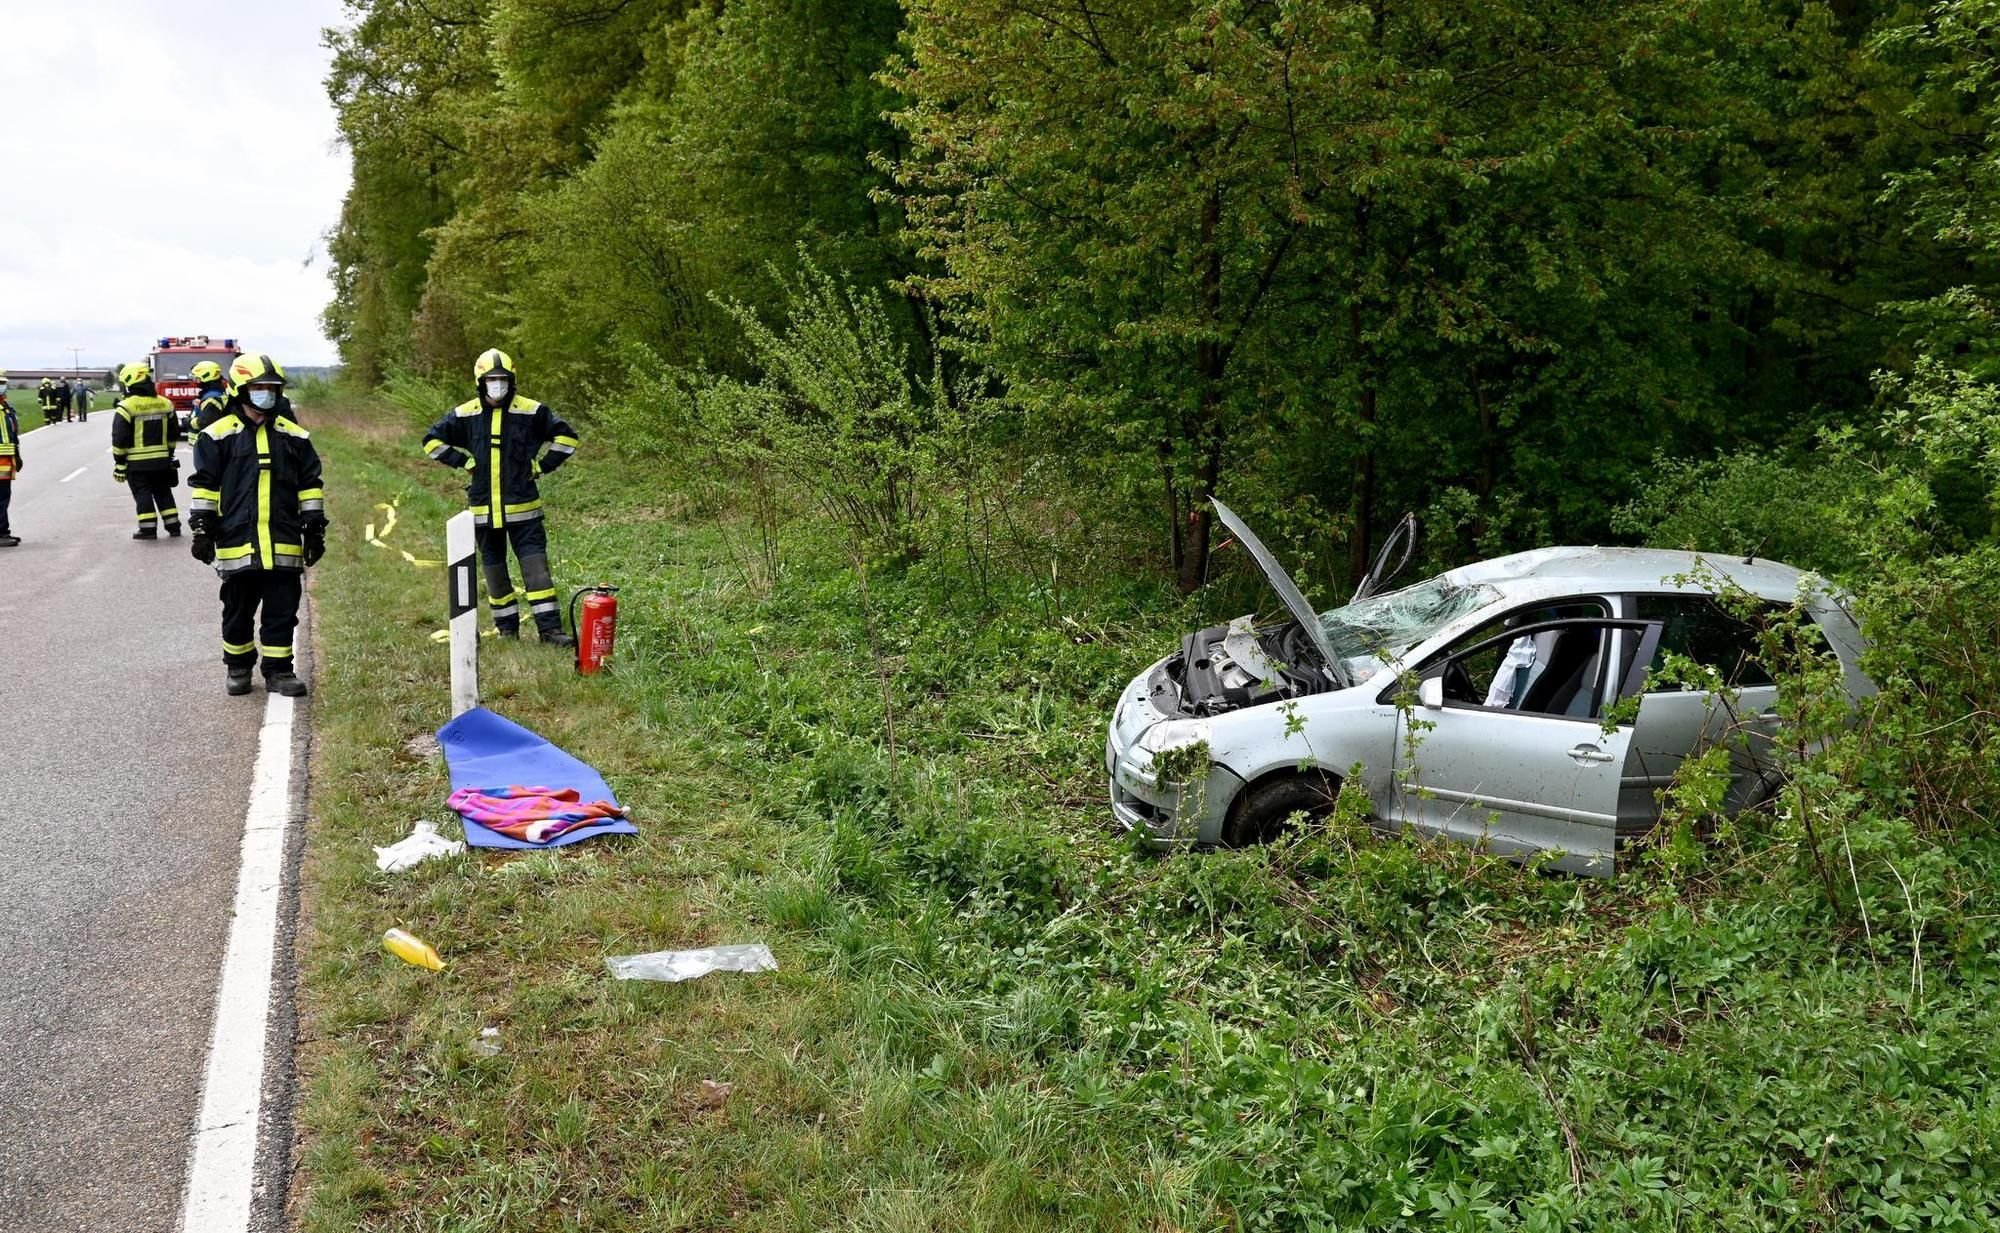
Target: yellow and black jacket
[10,440]
[209,406]
[144,431]
[497,448]
[257,491]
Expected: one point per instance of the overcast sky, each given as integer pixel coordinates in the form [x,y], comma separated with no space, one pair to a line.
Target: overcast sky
[165,168]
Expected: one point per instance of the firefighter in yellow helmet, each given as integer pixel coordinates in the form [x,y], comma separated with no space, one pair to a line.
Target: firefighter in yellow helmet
[259,516]
[213,393]
[45,400]
[498,440]
[144,431]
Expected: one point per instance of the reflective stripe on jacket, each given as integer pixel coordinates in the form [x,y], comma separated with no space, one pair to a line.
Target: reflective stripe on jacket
[10,436]
[143,433]
[497,448]
[262,483]
[209,406]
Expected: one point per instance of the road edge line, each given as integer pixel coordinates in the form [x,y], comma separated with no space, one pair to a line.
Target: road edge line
[222,1157]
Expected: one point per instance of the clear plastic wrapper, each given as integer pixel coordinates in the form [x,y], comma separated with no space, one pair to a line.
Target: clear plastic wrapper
[674,965]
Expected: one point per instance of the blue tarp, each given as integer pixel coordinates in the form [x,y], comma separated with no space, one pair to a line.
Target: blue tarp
[485,751]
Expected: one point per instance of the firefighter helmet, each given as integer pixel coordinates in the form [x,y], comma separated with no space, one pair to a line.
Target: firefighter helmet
[207,372]
[253,369]
[493,361]
[135,373]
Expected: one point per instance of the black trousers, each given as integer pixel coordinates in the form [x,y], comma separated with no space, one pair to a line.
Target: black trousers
[6,499]
[274,591]
[153,493]
[531,545]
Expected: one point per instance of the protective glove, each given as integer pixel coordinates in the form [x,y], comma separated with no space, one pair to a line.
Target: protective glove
[202,548]
[117,475]
[315,544]
[203,522]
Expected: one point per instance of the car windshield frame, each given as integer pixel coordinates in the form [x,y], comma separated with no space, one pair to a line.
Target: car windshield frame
[1383,627]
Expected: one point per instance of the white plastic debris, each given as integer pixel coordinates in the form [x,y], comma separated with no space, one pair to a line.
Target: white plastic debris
[487,1043]
[419,845]
[688,964]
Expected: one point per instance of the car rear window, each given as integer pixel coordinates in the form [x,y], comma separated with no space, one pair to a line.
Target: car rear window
[1705,632]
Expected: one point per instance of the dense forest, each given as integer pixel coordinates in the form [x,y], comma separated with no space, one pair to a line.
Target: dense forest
[1487,261]
[982,300]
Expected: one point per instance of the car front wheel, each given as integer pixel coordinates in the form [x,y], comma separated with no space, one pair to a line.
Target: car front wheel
[1266,808]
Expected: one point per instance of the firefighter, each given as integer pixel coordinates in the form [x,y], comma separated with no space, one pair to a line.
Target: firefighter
[10,463]
[495,439]
[45,398]
[259,516]
[62,399]
[144,431]
[208,403]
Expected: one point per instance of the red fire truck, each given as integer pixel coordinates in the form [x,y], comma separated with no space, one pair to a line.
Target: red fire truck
[173,357]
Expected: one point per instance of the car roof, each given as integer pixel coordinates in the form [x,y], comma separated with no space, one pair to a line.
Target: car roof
[1565,571]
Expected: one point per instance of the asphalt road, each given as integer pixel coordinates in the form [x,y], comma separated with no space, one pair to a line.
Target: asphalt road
[124,775]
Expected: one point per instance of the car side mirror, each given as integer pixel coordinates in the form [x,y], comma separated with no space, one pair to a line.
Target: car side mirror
[1430,693]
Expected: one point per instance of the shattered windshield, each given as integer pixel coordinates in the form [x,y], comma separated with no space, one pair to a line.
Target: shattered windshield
[1402,618]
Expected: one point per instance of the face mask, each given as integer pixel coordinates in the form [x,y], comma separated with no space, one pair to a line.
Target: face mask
[3,387]
[263,399]
[496,388]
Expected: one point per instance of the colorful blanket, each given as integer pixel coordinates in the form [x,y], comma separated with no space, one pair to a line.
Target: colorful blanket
[533,815]
[484,749]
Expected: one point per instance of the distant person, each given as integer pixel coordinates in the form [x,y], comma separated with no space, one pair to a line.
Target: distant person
[62,399]
[10,463]
[259,516]
[45,398]
[144,431]
[494,438]
[81,395]
[209,400]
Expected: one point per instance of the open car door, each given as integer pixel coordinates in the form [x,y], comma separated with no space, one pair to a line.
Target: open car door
[1519,759]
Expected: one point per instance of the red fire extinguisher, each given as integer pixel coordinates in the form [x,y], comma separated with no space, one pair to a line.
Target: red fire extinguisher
[597,629]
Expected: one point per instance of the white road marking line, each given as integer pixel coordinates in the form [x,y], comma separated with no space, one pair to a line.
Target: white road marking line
[222,1162]
[72,475]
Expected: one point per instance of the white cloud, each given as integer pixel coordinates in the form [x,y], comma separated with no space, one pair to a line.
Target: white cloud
[172,169]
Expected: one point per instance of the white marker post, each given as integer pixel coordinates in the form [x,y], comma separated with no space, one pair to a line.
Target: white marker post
[462,600]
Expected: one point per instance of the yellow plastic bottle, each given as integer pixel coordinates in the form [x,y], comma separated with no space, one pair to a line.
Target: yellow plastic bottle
[412,950]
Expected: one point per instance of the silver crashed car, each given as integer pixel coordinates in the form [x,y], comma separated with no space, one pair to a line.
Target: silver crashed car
[1517,661]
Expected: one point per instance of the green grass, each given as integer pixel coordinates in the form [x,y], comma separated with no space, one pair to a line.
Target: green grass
[991,1013]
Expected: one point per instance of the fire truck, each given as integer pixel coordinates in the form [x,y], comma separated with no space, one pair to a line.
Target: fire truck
[173,357]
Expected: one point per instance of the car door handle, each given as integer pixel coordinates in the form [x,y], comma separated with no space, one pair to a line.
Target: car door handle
[1587,752]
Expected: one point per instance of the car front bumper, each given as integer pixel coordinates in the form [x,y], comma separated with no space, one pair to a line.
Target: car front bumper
[1165,815]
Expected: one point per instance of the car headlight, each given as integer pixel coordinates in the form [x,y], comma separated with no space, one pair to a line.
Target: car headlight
[1172,734]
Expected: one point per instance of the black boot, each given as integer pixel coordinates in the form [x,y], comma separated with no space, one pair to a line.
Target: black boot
[9,541]
[285,683]
[556,637]
[174,531]
[239,682]
[145,535]
[507,631]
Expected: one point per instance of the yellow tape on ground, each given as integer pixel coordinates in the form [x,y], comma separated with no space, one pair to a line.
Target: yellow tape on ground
[389,524]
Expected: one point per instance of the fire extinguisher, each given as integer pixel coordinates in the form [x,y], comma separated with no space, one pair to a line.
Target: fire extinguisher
[597,629]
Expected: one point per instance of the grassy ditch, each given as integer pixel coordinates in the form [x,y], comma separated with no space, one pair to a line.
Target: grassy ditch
[991,1013]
